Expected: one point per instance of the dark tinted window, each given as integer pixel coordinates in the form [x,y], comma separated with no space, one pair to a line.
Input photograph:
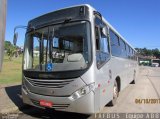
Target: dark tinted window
[127,51]
[115,45]
[97,38]
[122,48]
[135,56]
[131,54]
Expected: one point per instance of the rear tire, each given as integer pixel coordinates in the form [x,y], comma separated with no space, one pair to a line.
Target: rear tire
[134,78]
[115,94]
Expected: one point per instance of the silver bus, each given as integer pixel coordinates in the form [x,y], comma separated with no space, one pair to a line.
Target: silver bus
[2,28]
[75,61]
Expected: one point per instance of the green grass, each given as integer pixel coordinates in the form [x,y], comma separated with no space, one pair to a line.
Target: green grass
[11,70]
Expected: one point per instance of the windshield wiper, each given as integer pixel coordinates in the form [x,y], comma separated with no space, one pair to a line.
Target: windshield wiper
[67,20]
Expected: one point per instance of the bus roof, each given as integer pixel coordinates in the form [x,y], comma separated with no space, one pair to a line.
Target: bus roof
[92,9]
[111,27]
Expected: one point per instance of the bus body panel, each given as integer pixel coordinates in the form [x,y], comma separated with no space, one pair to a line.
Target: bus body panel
[124,69]
[83,105]
[117,70]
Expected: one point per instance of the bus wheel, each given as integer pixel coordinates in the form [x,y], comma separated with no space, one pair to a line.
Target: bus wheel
[115,94]
[134,78]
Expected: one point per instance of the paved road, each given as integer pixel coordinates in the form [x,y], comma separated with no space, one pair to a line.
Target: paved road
[146,87]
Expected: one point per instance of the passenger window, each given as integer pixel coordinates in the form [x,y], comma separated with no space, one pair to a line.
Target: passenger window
[132,54]
[115,45]
[123,48]
[104,45]
[127,50]
[97,38]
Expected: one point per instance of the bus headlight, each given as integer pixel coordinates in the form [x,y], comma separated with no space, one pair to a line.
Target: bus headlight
[82,91]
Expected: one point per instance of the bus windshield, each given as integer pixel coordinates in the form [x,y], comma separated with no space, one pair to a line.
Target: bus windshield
[58,47]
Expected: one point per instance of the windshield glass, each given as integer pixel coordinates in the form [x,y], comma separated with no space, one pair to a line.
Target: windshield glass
[58,48]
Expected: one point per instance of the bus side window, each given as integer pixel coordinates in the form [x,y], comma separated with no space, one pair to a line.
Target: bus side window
[102,46]
[115,45]
[122,48]
[97,38]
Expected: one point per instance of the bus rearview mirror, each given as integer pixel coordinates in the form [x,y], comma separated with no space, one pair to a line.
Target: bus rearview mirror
[15,37]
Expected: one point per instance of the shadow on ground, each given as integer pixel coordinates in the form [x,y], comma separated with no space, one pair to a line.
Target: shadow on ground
[29,112]
[14,93]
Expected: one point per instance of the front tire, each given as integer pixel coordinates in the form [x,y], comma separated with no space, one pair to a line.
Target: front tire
[115,94]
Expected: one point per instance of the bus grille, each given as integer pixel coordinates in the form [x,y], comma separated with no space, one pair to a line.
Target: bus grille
[55,106]
[49,83]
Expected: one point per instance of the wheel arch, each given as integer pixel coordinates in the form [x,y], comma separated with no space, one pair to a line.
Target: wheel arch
[118,80]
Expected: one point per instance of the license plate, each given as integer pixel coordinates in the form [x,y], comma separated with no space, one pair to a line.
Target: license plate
[45,103]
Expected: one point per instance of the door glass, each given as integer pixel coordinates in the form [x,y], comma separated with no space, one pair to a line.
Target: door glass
[36,52]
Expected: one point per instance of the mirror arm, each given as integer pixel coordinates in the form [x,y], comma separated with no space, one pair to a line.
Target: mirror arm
[21,26]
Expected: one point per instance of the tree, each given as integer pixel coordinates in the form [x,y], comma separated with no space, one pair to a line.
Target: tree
[156,53]
[148,52]
[10,48]
[7,44]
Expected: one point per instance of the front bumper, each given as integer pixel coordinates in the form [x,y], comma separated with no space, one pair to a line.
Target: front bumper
[84,104]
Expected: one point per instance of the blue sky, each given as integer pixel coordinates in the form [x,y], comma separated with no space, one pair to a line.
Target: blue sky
[138,21]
